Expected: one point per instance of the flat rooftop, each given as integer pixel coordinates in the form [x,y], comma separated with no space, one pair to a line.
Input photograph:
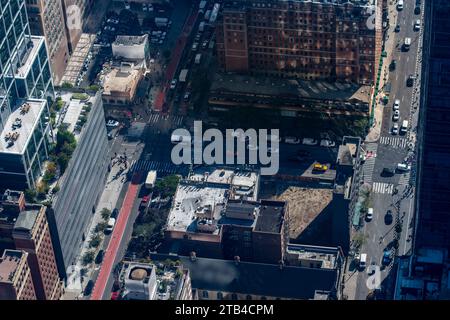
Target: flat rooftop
[130,40]
[9,263]
[72,110]
[20,125]
[270,218]
[290,88]
[191,197]
[244,183]
[327,255]
[121,81]
[33,51]
[78,58]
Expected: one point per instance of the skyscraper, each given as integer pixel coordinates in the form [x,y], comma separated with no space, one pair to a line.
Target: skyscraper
[46,19]
[25,86]
[15,276]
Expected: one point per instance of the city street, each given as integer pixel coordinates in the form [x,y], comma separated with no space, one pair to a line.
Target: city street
[396,192]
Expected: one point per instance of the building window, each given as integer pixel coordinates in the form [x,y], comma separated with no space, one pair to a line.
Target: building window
[219,296]
[205,294]
[234,296]
[248,297]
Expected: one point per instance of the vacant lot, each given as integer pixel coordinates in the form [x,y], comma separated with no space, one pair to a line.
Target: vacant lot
[305,206]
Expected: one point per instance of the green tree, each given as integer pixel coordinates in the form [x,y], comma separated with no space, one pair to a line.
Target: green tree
[66,85]
[95,241]
[167,186]
[30,195]
[88,257]
[106,213]
[359,240]
[63,161]
[100,227]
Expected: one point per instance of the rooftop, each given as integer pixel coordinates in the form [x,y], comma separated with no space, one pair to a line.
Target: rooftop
[290,88]
[271,216]
[11,196]
[191,199]
[20,125]
[26,219]
[326,256]
[244,183]
[130,40]
[9,263]
[30,56]
[122,82]
[260,279]
[73,109]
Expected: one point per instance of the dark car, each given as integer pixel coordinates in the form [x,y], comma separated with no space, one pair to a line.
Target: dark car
[99,257]
[410,81]
[417,10]
[388,218]
[397,28]
[387,172]
[386,257]
[115,213]
[393,65]
[89,287]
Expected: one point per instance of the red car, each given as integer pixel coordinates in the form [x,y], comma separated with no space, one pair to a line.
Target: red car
[115,295]
[144,202]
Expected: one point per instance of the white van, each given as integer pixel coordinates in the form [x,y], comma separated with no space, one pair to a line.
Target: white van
[362,260]
[404,127]
[400,5]
[403,167]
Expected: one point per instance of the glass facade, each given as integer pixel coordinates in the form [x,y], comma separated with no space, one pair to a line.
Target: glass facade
[24,74]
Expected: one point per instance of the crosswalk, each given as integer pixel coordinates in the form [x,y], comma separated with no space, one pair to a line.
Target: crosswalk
[163,167]
[383,188]
[394,141]
[369,164]
[405,178]
[175,120]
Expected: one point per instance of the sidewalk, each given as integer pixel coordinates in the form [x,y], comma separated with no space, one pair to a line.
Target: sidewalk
[110,195]
[375,130]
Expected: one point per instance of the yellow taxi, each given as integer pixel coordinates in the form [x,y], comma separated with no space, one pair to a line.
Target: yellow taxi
[320,167]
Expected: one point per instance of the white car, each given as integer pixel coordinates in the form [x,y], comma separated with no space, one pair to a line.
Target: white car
[395,129]
[417,25]
[396,115]
[173,84]
[292,140]
[327,143]
[112,123]
[369,215]
[403,167]
[111,224]
[310,141]
[397,104]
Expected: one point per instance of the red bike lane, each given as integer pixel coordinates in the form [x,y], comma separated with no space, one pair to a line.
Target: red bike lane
[116,238]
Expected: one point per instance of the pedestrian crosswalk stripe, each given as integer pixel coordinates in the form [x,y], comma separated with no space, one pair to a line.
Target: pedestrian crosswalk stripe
[383,188]
[369,164]
[394,141]
[405,178]
[163,167]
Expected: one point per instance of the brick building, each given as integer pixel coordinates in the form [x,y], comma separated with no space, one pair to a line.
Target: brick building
[15,276]
[25,227]
[322,40]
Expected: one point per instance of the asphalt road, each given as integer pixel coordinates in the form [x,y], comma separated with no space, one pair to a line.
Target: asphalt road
[392,149]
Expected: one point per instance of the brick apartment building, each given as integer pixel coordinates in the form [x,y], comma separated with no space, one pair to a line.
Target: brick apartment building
[336,40]
[26,228]
[15,276]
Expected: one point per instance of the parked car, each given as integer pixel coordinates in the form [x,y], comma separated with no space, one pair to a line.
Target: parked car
[362,261]
[410,80]
[395,129]
[396,115]
[173,84]
[417,25]
[115,213]
[99,257]
[397,28]
[111,224]
[402,167]
[88,288]
[396,104]
[112,123]
[417,9]
[187,95]
[310,142]
[292,140]
[393,65]
[386,257]
[327,143]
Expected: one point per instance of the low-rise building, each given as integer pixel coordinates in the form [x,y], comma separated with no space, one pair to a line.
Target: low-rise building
[148,281]
[131,48]
[217,215]
[120,85]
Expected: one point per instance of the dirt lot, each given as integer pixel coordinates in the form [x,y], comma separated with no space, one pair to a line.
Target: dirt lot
[305,205]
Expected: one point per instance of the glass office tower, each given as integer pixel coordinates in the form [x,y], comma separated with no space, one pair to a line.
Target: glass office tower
[26,87]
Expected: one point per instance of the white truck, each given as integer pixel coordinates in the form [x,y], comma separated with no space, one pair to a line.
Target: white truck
[183,75]
[404,127]
[198,58]
[151,179]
